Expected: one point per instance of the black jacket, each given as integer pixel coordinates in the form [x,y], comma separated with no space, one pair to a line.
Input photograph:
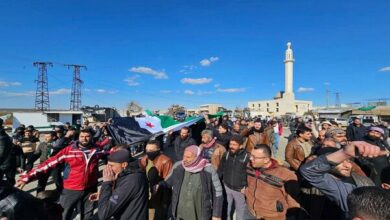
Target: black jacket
[5,150]
[212,198]
[373,166]
[16,204]
[356,133]
[222,139]
[179,145]
[232,169]
[127,199]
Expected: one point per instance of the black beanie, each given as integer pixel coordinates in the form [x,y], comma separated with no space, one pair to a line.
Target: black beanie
[119,156]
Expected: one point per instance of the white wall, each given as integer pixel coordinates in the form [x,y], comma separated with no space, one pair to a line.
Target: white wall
[38,119]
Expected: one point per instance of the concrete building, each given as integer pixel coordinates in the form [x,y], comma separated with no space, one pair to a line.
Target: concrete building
[206,108]
[284,102]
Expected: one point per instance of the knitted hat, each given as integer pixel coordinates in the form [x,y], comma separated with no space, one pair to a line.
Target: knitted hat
[119,156]
[193,149]
[378,129]
[326,122]
[334,131]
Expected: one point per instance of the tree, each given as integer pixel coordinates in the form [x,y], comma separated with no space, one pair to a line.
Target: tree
[133,109]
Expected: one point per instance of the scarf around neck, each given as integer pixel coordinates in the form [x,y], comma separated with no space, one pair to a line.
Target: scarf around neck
[197,165]
[210,144]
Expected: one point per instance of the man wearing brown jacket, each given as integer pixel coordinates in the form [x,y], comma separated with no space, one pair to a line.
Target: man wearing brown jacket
[257,136]
[272,189]
[157,167]
[299,148]
[211,150]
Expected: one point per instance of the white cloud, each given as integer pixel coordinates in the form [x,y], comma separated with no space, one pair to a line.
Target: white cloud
[87,90]
[384,69]
[213,59]
[165,91]
[204,92]
[303,89]
[208,61]
[7,84]
[327,83]
[196,81]
[149,71]
[187,69]
[17,94]
[131,81]
[231,90]
[60,91]
[205,62]
[217,85]
[104,91]
[189,92]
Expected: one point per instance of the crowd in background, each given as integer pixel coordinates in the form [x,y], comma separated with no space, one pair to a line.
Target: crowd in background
[230,172]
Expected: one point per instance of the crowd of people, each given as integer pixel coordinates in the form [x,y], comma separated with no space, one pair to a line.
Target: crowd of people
[231,172]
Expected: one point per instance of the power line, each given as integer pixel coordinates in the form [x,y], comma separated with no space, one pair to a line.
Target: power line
[42,102]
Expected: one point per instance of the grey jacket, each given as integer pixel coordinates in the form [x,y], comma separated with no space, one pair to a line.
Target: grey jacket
[316,172]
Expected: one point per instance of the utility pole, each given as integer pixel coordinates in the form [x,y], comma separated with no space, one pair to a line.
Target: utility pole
[42,93]
[338,103]
[327,98]
[75,97]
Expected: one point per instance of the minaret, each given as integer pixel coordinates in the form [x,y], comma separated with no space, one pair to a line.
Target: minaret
[288,71]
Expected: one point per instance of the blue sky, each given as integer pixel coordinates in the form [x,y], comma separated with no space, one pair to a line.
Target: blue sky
[194,52]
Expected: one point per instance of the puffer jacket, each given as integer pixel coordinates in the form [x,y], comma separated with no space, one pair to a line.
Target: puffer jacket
[127,197]
[267,201]
[16,204]
[80,172]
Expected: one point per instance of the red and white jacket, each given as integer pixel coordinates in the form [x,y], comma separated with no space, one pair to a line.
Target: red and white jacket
[81,166]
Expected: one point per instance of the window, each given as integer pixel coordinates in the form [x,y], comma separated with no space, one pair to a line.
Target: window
[267,109]
[253,105]
[277,104]
[267,104]
[53,117]
[259,105]
[277,109]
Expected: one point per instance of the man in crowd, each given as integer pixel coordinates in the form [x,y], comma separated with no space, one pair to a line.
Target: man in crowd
[374,166]
[180,143]
[356,131]
[369,203]
[81,161]
[196,188]
[257,136]
[232,171]
[299,148]
[43,152]
[332,172]
[326,125]
[157,166]
[222,134]
[338,135]
[272,189]
[124,191]
[211,150]
[28,144]
[6,156]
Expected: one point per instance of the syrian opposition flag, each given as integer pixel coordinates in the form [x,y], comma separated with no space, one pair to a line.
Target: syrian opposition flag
[165,123]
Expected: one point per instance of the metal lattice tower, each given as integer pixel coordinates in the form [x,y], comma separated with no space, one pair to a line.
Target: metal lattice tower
[42,94]
[75,97]
[338,103]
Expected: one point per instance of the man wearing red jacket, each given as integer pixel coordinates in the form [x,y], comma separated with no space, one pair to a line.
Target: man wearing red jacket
[81,160]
